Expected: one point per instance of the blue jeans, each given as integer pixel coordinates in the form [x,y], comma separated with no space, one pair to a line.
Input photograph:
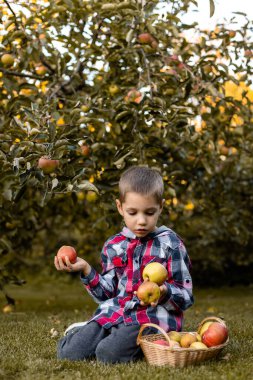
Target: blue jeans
[114,345]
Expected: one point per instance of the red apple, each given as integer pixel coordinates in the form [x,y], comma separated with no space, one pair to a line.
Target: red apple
[161,342]
[133,96]
[148,292]
[215,335]
[69,251]
[145,38]
[85,150]
[48,165]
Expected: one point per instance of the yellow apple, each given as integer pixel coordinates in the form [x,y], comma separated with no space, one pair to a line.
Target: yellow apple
[174,344]
[40,70]
[113,89]
[155,272]
[204,328]
[198,346]
[91,196]
[7,59]
[174,335]
[148,292]
[9,308]
[187,339]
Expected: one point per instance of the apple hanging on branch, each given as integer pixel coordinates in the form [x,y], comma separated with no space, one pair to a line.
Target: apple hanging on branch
[148,39]
[47,165]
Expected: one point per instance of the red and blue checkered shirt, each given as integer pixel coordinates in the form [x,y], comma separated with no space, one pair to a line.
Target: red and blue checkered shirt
[124,257]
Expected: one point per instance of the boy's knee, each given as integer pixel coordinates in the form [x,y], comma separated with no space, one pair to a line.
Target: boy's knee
[66,351]
[106,354]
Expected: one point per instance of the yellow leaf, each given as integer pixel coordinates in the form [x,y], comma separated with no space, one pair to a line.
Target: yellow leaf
[60,121]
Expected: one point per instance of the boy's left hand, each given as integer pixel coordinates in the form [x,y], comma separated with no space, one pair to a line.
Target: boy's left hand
[163,290]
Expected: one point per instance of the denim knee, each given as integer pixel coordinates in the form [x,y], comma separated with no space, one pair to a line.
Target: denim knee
[65,351]
[106,354]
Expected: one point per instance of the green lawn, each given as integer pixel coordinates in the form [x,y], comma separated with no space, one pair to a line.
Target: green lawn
[28,349]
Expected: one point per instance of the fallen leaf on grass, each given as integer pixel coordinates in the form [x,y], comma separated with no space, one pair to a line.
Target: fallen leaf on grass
[226,357]
[54,333]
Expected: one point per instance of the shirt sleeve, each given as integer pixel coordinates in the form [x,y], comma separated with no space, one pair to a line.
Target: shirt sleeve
[101,286]
[179,285]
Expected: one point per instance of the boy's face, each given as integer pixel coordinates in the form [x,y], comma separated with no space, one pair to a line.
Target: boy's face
[140,212]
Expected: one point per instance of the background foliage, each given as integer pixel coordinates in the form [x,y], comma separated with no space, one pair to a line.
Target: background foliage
[84,89]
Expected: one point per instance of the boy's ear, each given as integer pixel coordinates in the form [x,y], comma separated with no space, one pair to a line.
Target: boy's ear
[119,206]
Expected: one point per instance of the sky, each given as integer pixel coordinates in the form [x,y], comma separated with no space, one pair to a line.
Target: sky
[223,10]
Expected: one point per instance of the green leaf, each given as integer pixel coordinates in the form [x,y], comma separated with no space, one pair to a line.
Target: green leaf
[212,8]
[87,186]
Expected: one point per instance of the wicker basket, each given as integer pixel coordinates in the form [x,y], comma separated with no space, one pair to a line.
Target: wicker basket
[159,355]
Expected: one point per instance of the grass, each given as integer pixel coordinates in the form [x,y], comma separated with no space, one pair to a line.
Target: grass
[28,349]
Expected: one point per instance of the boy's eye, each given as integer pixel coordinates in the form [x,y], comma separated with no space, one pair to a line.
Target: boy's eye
[131,213]
[150,213]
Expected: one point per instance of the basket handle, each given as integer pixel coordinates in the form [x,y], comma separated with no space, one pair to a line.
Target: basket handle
[211,318]
[155,326]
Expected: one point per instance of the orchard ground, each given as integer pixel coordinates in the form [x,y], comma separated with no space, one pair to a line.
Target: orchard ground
[45,308]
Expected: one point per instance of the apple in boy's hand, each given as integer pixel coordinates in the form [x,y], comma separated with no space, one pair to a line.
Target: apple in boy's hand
[148,292]
[155,272]
[69,251]
[216,334]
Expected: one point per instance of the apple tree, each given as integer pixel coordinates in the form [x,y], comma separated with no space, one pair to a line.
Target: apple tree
[89,88]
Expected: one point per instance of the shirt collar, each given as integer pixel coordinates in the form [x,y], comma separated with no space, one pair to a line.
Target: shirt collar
[162,230]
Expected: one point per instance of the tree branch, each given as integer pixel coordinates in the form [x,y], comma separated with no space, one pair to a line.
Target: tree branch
[12,11]
[17,74]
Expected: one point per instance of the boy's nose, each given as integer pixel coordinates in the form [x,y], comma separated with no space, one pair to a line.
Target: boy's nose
[142,221]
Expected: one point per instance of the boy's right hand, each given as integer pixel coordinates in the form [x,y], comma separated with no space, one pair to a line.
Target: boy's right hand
[79,266]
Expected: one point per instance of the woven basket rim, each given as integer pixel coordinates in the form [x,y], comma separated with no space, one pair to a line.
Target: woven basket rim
[145,340]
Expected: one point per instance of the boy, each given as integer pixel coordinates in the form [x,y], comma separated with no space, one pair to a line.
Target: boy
[110,335]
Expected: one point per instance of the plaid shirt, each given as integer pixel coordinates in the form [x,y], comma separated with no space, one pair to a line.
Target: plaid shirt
[124,257]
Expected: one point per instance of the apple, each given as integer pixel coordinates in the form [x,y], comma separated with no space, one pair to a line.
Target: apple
[148,292]
[91,196]
[161,342]
[232,33]
[69,251]
[216,334]
[198,346]
[175,336]
[174,344]
[9,308]
[7,59]
[204,327]
[113,89]
[85,150]
[147,38]
[40,70]
[155,272]
[187,339]
[248,53]
[47,164]
[133,96]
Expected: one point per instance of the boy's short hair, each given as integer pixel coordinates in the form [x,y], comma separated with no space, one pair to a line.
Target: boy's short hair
[142,180]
